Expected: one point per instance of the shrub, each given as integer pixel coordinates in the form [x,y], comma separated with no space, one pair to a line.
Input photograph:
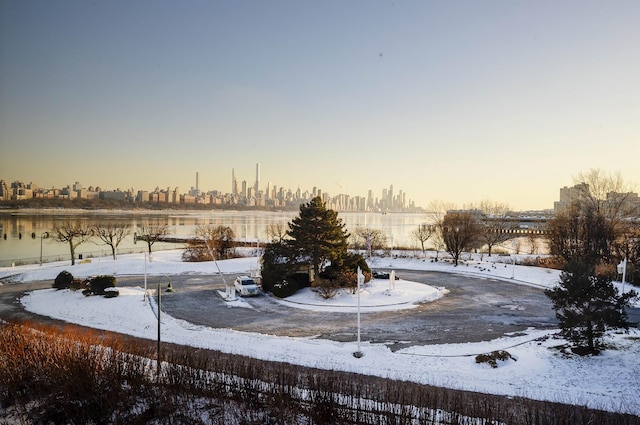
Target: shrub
[196,251]
[327,288]
[77,284]
[98,284]
[301,279]
[492,358]
[63,281]
[284,288]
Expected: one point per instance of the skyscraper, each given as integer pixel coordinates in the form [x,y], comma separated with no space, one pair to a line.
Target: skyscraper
[234,182]
[256,187]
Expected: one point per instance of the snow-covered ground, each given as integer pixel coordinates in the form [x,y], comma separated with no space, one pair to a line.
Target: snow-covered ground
[609,381]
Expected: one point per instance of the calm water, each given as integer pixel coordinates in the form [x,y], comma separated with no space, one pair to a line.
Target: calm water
[23,243]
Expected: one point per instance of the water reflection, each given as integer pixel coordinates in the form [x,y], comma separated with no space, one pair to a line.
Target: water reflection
[21,232]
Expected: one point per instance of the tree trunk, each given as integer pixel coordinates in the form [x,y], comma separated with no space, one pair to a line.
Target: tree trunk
[590,336]
[73,253]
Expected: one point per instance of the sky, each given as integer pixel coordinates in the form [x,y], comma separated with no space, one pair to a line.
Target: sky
[457,101]
[537,370]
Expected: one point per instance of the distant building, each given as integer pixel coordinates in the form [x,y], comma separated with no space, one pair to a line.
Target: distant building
[569,195]
[5,194]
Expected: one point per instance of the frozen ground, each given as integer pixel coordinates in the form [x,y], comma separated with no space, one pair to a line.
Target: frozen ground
[609,381]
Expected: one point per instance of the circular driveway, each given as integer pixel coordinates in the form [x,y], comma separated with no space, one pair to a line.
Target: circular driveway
[475,309]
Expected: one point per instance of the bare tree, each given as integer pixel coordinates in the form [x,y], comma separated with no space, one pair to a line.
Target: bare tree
[152,232]
[112,234]
[606,193]
[436,210]
[460,231]
[277,232]
[219,240]
[372,239]
[422,233]
[580,233]
[72,232]
[532,240]
[591,227]
[497,221]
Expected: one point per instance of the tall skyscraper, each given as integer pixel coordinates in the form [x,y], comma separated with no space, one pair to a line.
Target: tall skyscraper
[197,182]
[234,182]
[256,187]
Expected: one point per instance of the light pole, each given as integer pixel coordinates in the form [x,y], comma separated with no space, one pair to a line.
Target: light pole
[360,281]
[622,269]
[43,236]
[158,365]
[513,266]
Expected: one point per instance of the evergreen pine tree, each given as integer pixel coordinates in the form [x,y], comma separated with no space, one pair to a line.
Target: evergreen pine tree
[317,235]
[587,305]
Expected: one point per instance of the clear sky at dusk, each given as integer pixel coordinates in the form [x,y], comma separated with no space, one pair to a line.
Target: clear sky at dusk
[457,101]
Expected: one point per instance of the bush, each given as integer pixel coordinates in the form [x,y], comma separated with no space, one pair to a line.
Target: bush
[196,251]
[284,288]
[63,281]
[327,288]
[98,284]
[77,284]
[301,279]
[492,358]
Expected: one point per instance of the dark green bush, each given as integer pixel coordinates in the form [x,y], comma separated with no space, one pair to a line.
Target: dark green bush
[63,281]
[300,279]
[285,288]
[99,283]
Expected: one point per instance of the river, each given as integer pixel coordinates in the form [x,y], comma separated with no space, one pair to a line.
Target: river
[22,241]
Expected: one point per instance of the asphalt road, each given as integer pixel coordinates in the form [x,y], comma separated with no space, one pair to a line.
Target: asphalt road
[475,309]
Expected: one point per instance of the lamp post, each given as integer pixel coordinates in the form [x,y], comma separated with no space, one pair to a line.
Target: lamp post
[158,351]
[43,236]
[158,365]
[360,281]
[513,266]
[622,269]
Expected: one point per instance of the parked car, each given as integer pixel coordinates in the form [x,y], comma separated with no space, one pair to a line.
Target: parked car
[377,274]
[246,286]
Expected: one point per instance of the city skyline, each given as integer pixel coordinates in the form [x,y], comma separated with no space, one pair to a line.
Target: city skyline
[457,102]
[244,193]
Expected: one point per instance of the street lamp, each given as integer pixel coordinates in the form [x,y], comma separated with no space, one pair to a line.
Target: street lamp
[159,359]
[360,281]
[43,236]
[622,269]
[513,266]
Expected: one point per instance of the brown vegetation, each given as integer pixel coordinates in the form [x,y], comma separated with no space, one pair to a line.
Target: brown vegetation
[69,375]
